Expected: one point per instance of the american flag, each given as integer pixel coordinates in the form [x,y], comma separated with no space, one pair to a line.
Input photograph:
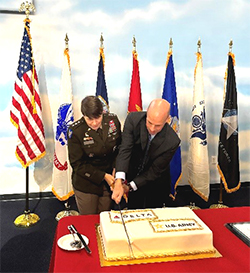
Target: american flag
[26,108]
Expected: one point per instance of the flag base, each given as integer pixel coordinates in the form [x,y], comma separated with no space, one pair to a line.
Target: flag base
[218,206]
[192,206]
[64,213]
[26,220]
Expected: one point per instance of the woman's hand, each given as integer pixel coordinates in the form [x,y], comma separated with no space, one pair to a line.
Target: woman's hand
[118,191]
[110,180]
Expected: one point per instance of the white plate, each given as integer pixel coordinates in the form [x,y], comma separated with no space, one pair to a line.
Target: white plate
[64,242]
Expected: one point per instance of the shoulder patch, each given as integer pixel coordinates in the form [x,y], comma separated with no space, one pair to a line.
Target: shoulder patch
[70,132]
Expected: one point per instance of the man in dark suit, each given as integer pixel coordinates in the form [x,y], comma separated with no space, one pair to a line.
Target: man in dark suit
[148,145]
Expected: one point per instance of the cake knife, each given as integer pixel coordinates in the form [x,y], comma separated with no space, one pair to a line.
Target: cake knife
[125,228]
[81,238]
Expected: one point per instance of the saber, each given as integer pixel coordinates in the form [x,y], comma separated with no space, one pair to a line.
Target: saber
[123,223]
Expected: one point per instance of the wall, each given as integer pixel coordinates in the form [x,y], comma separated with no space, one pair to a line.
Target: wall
[153,23]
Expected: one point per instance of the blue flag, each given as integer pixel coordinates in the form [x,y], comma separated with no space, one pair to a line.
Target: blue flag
[101,88]
[169,94]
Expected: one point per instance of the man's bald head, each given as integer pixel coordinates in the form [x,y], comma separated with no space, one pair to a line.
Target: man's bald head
[157,115]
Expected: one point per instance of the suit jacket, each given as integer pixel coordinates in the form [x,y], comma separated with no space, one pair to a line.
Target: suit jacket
[153,182]
[91,155]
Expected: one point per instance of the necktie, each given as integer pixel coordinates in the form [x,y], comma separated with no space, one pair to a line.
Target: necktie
[145,155]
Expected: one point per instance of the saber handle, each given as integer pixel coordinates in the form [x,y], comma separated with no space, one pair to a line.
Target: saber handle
[81,239]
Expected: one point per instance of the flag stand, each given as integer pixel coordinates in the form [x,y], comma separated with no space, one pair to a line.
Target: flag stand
[27,219]
[66,212]
[220,202]
[192,206]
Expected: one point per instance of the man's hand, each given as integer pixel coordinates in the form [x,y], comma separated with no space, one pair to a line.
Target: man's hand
[118,191]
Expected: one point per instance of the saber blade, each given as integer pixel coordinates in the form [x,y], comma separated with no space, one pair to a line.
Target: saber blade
[126,232]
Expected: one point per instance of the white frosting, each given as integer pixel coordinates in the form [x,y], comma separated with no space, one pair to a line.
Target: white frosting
[154,232]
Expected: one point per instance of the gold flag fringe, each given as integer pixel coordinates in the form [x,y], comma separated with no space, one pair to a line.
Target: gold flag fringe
[63,198]
[31,161]
[225,182]
[175,186]
[198,192]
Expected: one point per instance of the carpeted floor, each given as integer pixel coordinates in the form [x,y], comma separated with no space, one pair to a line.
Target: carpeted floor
[29,249]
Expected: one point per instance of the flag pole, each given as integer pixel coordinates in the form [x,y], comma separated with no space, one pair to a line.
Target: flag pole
[27,219]
[170,49]
[220,202]
[134,43]
[67,211]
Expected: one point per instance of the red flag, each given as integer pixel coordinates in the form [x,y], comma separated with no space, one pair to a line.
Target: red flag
[135,101]
[26,109]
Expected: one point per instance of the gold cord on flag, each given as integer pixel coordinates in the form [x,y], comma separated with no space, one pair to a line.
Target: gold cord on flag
[102,50]
[170,51]
[135,55]
[66,53]
[102,55]
[66,50]
[134,52]
[233,57]
[198,54]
